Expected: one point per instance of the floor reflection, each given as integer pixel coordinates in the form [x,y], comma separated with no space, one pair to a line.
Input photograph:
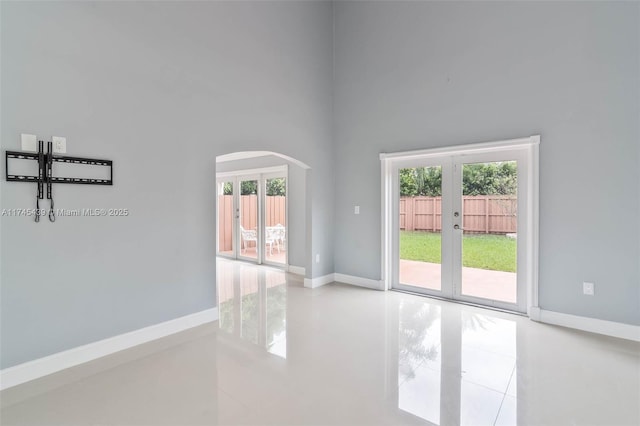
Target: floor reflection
[475,365]
[252,303]
[454,365]
[342,355]
[419,360]
[488,364]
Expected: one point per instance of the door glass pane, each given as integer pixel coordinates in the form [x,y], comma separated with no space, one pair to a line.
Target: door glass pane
[489,208]
[225,218]
[275,234]
[420,227]
[249,218]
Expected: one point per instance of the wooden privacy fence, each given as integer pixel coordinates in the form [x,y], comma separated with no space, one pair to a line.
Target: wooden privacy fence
[275,212]
[488,214]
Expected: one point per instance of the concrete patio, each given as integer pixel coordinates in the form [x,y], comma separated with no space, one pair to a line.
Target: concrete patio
[483,283]
[487,284]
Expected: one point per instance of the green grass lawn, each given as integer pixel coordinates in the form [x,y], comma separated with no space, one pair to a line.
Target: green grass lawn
[484,251]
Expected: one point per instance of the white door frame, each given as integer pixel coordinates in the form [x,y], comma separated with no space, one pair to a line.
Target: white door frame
[232,180]
[260,175]
[263,214]
[505,154]
[446,222]
[529,147]
[239,214]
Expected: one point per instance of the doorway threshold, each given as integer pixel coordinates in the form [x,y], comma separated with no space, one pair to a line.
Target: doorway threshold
[249,262]
[461,302]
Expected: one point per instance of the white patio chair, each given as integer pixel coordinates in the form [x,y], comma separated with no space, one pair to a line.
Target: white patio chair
[271,237]
[281,234]
[248,235]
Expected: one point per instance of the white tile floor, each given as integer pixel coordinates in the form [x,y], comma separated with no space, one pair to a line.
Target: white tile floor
[283,354]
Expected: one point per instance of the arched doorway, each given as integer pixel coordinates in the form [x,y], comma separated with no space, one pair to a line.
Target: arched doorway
[262,209]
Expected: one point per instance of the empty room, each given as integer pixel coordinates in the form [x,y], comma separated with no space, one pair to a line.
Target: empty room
[320,212]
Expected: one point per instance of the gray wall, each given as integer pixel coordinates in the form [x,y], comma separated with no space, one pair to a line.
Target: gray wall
[161,88]
[296,201]
[412,75]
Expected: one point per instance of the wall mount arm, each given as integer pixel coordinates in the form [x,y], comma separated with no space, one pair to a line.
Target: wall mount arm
[45,172]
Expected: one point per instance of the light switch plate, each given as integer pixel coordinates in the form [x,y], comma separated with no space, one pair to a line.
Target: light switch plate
[59,144]
[29,142]
[356,210]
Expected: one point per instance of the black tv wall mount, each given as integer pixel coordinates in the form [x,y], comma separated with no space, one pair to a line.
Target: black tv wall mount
[45,173]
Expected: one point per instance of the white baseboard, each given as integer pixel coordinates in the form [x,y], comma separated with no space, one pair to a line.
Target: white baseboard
[298,270]
[359,281]
[534,313]
[319,281]
[593,325]
[343,278]
[37,368]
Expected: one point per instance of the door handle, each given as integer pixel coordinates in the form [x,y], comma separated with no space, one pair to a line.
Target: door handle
[456,226]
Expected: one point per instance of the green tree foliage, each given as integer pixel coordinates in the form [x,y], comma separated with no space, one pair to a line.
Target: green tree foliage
[408,187]
[490,178]
[429,180]
[498,178]
[276,186]
[248,187]
[423,181]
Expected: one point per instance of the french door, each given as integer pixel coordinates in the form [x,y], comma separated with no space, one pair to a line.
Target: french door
[252,216]
[460,226]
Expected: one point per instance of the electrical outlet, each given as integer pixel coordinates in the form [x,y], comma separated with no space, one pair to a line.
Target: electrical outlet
[29,142]
[356,210]
[59,144]
[588,288]
[317,258]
